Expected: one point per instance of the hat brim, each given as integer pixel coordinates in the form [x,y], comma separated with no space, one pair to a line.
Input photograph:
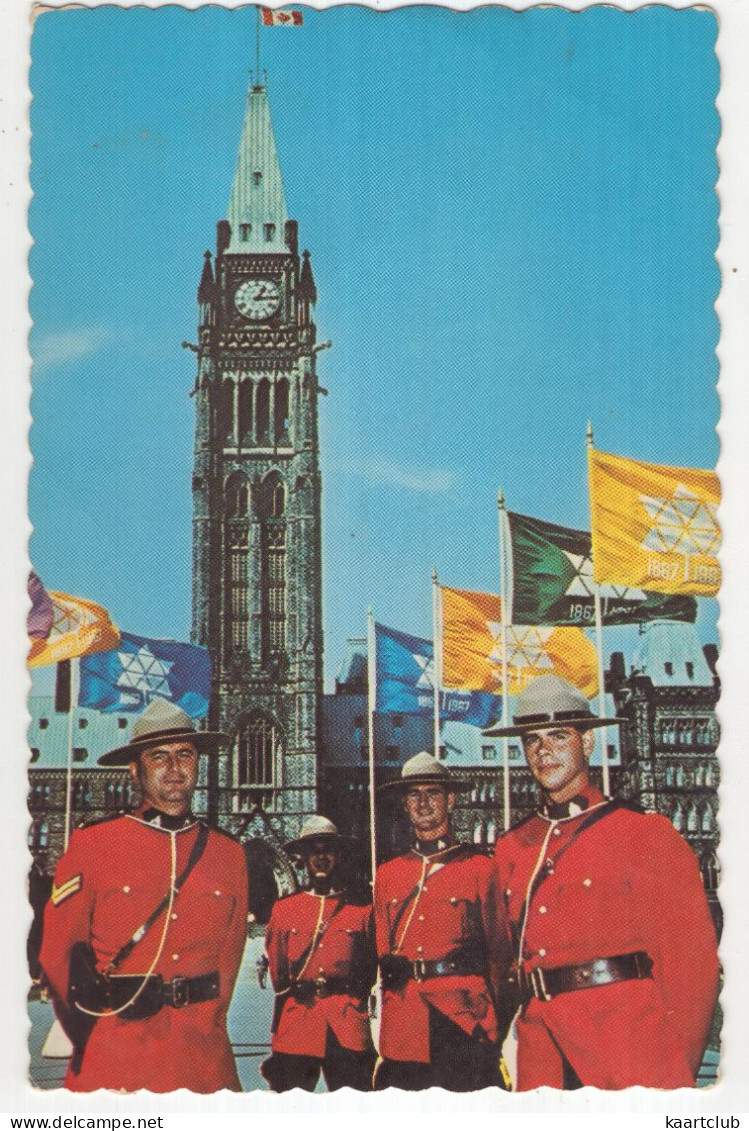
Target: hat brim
[519,729]
[452,785]
[301,844]
[204,741]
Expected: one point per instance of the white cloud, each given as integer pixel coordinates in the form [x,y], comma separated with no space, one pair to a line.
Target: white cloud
[50,350]
[424,480]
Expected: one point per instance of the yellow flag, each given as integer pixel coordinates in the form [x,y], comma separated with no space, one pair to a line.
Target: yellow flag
[472,648]
[79,627]
[654,527]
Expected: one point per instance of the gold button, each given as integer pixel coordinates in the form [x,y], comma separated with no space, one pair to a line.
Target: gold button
[508,892]
[174,914]
[126,889]
[293,930]
[217,892]
[587,883]
[420,949]
[175,958]
[453,899]
[542,910]
[542,953]
[421,918]
[557,832]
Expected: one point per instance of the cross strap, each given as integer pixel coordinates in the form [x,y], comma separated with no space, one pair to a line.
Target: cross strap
[197,851]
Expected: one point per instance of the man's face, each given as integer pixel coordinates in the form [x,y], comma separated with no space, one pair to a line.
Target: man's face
[429,808]
[558,759]
[321,859]
[167,774]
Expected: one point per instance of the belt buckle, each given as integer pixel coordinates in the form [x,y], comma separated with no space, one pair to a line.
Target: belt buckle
[420,969]
[180,994]
[537,984]
[321,986]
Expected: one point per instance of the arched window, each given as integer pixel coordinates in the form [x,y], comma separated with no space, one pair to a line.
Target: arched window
[257,748]
[710,870]
[677,817]
[272,510]
[226,411]
[478,832]
[237,493]
[246,392]
[263,412]
[693,824]
[282,411]
[708,820]
[491,831]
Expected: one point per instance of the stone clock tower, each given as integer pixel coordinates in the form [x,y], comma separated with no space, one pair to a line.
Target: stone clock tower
[256,499]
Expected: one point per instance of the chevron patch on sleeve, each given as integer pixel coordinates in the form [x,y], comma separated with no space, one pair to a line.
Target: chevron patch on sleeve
[64,891]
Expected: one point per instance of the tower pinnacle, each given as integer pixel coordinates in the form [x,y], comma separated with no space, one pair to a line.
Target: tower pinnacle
[257,207]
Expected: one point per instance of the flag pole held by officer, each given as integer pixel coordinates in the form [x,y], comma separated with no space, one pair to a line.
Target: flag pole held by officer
[615,957]
[146,925]
[443,946]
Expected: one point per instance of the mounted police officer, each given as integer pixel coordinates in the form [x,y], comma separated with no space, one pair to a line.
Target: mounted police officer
[443,947]
[615,953]
[145,928]
[320,952]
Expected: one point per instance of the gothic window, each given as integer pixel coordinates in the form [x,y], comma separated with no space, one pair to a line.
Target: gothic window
[669,667]
[677,817]
[245,411]
[80,753]
[693,823]
[708,820]
[669,774]
[491,831]
[245,231]
[488,753]
[275,589]
[478,832]
[257,176]
[226,411]
[710,870]
[699,774]
[690,669]
[680,775]
[263,411]
[270,232]
[256,751]
[282,411]
[238,588]
[237,496]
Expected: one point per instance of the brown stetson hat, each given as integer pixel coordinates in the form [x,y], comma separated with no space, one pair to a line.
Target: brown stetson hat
[551,701]
[424,769]
[318,828]
[162,721]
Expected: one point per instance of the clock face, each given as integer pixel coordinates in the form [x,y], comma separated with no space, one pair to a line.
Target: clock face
[257,299]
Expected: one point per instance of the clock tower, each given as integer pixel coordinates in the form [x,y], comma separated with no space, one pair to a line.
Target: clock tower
[256,499]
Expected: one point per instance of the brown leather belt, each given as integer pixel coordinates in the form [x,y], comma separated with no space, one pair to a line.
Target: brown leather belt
[397,970]
[547,984]
[309,988]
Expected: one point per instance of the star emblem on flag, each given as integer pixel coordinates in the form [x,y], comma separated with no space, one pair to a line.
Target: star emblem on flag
[426,672]
[582,584]
[526,648]
[145,674]
[683,524]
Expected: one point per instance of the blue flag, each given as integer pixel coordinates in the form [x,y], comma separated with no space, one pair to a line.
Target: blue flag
[405,682]
[139,670]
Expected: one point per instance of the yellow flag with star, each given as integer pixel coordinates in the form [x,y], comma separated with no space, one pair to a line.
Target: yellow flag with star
[472,648]
[654,527]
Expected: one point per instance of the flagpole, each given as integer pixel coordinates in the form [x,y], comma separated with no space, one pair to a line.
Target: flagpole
[503,649]
[437,637]
[372,699]
[257,45]
[599,652]
[74,682]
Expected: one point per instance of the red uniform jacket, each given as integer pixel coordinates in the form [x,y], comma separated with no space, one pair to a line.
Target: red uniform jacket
[627,883]
[112,877]
[343,938]
[427,908]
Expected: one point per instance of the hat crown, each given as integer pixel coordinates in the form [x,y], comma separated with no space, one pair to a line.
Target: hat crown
[317,826]
[549,696]
[424,765]
[160,715]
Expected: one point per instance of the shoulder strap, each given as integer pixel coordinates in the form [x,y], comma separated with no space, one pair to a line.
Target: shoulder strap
[301,962]
[197,851]
[593,818]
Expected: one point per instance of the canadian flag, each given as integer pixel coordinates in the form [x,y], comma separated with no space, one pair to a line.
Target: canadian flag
[273,18]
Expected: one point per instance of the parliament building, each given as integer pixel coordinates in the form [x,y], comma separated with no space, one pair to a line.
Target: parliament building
[257,604]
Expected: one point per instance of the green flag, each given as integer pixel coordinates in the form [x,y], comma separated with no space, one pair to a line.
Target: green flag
[552,581]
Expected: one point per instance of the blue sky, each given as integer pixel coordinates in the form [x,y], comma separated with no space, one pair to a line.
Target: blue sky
[512,219]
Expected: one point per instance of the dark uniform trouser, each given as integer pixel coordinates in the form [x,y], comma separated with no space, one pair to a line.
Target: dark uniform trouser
[341,1067]
[458,1062]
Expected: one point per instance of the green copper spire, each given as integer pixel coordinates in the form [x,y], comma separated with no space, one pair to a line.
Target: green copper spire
[257,207]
